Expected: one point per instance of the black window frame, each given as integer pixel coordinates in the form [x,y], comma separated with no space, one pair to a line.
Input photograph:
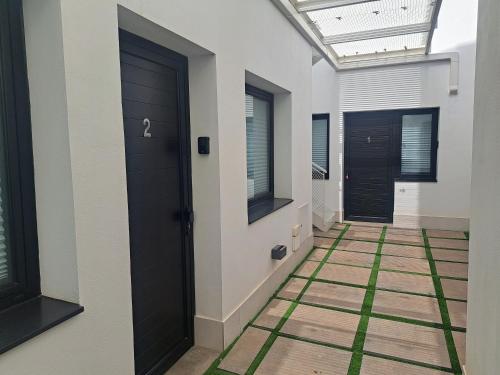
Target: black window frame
[19,158]
[269,98]
[325,116]
[432,175]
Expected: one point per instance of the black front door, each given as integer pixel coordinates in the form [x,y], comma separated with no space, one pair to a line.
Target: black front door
[369,166]
[154,99]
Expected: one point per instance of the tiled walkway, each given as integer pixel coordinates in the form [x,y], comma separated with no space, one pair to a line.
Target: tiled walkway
[367,300]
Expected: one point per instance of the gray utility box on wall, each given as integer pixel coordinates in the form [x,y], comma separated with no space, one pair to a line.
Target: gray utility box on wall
[278,252]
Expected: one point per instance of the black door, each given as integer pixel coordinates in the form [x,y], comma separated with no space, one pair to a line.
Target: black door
[370,141]
[154,99]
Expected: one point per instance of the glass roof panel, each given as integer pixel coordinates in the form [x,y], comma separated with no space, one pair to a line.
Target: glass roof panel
[371,16]
[381,45]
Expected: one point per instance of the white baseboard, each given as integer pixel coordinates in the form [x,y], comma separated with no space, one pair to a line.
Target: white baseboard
[431,222]
[219,335]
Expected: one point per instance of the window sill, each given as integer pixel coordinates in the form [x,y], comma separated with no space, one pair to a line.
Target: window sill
[22,322]
[409,179]
[266,207]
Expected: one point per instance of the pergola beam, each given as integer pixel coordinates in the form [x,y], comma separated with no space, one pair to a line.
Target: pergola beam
[311,5]
[379,33]
[434,20]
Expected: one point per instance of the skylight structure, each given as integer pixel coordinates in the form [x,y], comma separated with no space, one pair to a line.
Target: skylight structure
[369,29]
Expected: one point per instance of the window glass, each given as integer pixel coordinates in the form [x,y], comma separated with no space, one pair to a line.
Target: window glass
[320,143]
[416,147]
[5,272]
[258,122]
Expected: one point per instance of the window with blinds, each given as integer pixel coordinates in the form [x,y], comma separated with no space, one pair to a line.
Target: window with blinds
[5,274]
[259,109]
[419,146]
[320,142]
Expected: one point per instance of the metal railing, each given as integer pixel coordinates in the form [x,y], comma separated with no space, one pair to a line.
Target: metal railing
[318,192]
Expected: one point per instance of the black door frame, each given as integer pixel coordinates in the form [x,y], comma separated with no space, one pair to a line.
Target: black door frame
[394,159]
[142,48]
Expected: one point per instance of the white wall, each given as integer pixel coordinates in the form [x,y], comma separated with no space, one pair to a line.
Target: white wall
[223,39]
[483,327]
[445,204]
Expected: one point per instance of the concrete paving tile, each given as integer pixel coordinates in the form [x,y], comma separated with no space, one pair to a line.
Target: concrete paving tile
[356,234]
[335,295]
[194,362]
[407,341]
[404,250]
[405,264]
[307,269]
[323,325]
[332,233]
[406,283]
[407,306]
[379,366]
[367,227]
[449,244]
[273,313]
[404,232]
[404,239]
[293,357]
[338,226]
[361,246]
[452,269]
[445,234]
[318,255]
[460,339]
[244,351]
[345,274]
[325,243]
[292,288]
[352,258]
[450,255]
[454,288]
[458,313]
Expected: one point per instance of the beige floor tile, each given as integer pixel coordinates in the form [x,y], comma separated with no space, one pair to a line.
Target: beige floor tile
[345,274]
[352,258]
[379,366]
[404,250]
[194,362]
[403,239]
[318,255]
[405,264]
[307,269]
[407,306]
[450,255]
[332,233]
[325,243]
[445,234]
[459,338]
[292,288]
[406,282]
[361,246]
[335,295]
[407,341]
[292,357]
[323,325]
[244,351]
[452,269]
[454,288]
[273,313]
[367,227]
[458,313]
[449,244]
[404,232]
[357,234]
[338,226]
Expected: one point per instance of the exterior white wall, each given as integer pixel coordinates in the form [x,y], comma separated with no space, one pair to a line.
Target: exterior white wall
[77,91]
[445,204]
[483,327]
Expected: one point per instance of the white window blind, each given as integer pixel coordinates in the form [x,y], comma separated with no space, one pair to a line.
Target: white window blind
[320,143]
[4,220]
[258,146]
[416,150]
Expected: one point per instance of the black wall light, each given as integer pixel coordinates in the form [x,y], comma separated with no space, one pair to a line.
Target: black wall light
[203,145]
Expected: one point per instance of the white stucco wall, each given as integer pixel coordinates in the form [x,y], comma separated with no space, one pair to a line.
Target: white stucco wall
[483,327]
[443,204]
[76,95]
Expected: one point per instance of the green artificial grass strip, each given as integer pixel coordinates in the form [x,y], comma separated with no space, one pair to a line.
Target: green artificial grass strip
[467,235]
[359,339]
[450,342]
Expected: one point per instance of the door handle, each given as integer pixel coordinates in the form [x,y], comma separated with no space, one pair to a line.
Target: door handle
[189,218]
[347,177]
